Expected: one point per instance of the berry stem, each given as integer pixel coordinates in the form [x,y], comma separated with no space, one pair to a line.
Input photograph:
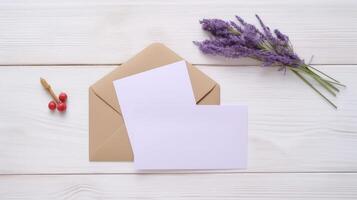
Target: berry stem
[49,90]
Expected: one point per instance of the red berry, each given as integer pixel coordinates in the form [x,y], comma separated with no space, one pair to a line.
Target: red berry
[52,105]
[61,107]
[62,97]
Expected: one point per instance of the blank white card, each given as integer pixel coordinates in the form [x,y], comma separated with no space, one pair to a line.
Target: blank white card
[189,137]
[169,84]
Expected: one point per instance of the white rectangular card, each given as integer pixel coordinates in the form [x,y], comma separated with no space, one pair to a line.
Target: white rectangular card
[169,84]
[189,137]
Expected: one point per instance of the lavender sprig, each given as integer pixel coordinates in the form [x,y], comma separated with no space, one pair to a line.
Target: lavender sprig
[235,40]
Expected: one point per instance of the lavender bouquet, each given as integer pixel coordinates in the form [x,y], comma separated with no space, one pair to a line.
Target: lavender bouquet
[233,40]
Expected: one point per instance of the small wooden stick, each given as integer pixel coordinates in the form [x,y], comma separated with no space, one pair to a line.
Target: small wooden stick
[49,90]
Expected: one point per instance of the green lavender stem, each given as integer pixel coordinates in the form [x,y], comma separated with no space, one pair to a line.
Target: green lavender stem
[316,90]
[340,84]
[328,85]
[309,66]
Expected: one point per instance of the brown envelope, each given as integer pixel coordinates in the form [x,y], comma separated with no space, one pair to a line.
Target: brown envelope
[108,138]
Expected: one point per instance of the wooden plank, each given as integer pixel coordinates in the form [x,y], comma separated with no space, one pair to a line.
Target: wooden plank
[198,186]
[290,127]
[109,32]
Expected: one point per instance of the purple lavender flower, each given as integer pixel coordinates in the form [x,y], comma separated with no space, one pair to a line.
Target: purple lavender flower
[245,40]
[280,36]
[235,40]
[216,27]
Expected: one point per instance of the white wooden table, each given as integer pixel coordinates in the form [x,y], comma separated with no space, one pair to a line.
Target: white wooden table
[299,146]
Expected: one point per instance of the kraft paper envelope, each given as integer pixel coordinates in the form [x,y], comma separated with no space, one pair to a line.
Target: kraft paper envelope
[108,138]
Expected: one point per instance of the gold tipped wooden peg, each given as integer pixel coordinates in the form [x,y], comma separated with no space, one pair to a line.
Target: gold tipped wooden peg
[49,90]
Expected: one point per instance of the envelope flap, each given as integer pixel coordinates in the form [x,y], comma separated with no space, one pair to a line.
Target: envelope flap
[153,56]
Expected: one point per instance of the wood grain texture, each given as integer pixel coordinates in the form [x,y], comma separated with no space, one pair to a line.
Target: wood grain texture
[299,147]
[291,129]
[110,31]
[176,187]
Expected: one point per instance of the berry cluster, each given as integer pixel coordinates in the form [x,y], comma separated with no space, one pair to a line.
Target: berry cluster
[61,106]
[58,102]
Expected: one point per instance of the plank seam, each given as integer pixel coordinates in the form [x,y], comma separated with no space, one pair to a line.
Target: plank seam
[116,65]
[176,173]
